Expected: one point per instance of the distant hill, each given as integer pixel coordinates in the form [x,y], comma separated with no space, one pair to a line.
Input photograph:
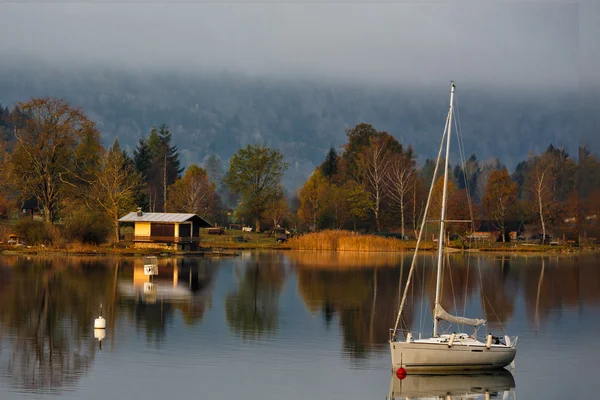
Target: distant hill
[219,113]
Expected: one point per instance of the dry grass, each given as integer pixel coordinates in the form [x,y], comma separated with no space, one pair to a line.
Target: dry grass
[340,240]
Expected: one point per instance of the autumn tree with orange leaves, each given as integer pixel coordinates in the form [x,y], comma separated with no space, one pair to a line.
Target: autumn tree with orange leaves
[499,197]
[48,134]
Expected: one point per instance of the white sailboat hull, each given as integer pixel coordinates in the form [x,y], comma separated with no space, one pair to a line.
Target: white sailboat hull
[435,355]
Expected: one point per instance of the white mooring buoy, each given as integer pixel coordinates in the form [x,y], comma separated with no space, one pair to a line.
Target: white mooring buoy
[100,322]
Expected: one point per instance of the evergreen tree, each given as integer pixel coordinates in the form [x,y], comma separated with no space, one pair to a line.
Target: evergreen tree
[142,159]
[165,166]
[329,166]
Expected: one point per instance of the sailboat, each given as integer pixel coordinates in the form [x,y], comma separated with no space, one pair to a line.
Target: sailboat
[446,352]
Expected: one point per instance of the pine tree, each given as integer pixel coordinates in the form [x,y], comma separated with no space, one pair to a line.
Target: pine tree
[165,166]
[329,166]
[142,159]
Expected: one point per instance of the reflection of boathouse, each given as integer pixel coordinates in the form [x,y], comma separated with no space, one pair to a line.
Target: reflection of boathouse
[181,231]
[177,280]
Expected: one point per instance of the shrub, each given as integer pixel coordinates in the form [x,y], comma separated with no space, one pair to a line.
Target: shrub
[6,207]
[35,232]
[87,228]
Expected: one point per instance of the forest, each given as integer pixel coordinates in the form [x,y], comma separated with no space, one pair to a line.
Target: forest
[52,157]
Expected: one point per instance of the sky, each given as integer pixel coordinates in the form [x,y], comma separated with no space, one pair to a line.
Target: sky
[503,44]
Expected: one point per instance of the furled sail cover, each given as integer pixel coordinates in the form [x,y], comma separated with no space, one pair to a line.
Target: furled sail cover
[440,313]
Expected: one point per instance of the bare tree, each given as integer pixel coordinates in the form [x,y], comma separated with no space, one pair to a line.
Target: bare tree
[194,193]
[114,187]
[373,163]
[399,176]
[540,185]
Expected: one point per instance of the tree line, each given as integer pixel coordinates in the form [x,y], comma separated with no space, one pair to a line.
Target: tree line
[51,152]
[375,184]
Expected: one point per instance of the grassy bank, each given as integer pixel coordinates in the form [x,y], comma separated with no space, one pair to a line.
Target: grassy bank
[210,244]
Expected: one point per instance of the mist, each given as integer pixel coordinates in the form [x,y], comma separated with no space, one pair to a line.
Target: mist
[508,45]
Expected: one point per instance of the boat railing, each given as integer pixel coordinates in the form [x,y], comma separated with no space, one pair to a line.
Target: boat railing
[402,333]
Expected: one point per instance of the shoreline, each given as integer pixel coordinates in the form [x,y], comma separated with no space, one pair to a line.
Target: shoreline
[232,251]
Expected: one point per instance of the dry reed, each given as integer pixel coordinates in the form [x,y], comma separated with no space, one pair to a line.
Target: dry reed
[340,240]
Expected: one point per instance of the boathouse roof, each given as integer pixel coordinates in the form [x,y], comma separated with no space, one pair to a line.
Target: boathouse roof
[164,218]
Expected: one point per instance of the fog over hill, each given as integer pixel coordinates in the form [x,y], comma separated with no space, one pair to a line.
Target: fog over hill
[219,112]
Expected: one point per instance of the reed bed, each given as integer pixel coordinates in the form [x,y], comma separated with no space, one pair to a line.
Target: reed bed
[340,240]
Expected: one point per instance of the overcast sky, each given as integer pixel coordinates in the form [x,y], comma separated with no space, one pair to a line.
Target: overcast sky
[501,43]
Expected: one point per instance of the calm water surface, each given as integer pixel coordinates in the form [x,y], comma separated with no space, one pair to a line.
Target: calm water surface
[285,325]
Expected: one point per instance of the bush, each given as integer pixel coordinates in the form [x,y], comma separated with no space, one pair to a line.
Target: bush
[35,232]
[87,228]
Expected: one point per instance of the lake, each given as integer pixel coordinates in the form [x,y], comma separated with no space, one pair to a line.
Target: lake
[293,325]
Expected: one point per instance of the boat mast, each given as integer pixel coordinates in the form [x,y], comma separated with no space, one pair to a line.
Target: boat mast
[443,216]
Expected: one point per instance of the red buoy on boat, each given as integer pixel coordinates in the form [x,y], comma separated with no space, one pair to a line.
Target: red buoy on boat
[401,373]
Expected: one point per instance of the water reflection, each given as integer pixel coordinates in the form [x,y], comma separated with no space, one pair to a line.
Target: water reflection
[361,299]
[496,384]
[45,312]
[182,284]
[336,311]
[366,299]
[252,309]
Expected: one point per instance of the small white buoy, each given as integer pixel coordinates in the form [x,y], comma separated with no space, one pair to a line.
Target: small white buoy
[99,334]
[100,322]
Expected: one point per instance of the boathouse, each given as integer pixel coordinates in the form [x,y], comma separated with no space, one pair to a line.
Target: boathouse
[168,230]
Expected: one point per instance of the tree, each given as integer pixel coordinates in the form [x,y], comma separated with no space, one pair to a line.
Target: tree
[485,168]
[402,170]
[165,168]
[142,159]
[467,175]
[194,193]
[459,211]
[115,186]
[539,185]
[350,201]
[213,168]
[435,209]
[358,138]
[312,198]
[255,174]
[44,160]
[329,166]
[500,195]
[373,163]
[419,194]
[277,208]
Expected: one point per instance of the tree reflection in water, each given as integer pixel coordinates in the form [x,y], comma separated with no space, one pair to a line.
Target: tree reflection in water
[46,311]
[252,311]
[364,298]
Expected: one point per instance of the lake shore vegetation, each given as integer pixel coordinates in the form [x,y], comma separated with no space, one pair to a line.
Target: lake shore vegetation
[61,189]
